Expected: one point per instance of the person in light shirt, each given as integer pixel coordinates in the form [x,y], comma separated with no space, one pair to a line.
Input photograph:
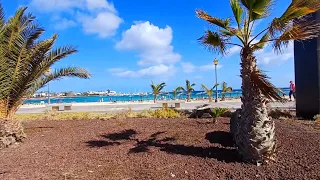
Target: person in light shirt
[292,90]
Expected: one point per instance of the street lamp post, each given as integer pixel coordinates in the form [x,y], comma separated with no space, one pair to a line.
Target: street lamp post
[215,62]
[47,73]
[48,93]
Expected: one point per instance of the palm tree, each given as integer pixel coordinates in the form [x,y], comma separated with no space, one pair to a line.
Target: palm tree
[156,89]
[24,61]
[188,89]
[255,131]
[175,91]
[208,91]
[224,90]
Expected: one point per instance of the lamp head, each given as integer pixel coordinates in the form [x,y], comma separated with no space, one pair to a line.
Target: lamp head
[215,61]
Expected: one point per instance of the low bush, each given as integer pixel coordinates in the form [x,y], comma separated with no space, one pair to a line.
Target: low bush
[166,113]
[221,112]
[55,115]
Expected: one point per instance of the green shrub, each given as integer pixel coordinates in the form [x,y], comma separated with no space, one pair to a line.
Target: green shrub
[220,112]
[166,113]
[148,113]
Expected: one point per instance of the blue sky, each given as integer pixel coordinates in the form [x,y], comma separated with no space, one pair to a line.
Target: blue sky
[128,44]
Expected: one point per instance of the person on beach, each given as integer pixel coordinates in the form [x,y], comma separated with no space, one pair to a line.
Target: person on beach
[292,90]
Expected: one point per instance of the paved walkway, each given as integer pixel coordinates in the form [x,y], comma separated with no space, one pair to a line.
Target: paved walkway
[140,107]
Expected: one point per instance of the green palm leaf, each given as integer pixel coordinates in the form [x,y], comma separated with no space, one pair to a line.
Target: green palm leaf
[24,59]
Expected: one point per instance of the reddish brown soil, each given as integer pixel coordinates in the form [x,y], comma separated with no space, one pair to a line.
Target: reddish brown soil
[153,149]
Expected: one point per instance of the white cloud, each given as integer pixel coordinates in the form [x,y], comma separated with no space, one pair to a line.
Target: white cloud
[233,50]
[268,57]
[153,71]
[188,67]
[95,16]
[116,70]
[153,43]
[100,5]
[56,5]
[104,24]
[209,67]
[64,24]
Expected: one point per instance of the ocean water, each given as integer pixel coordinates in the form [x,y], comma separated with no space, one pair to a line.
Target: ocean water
[167,96]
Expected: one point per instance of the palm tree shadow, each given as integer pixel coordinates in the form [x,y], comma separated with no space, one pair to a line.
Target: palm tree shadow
[220,137]
[226,154]
[114,137]
[221,154]
[101,143]
[123,135]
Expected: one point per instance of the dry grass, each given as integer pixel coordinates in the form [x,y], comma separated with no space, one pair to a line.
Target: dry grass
[54,115]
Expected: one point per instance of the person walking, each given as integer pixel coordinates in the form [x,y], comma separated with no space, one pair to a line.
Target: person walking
[292,90]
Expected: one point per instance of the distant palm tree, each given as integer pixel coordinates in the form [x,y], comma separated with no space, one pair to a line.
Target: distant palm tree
[208,91]
[175,91]
[224,90]
[254,131]
[188,89]
[25,61]
[156,89]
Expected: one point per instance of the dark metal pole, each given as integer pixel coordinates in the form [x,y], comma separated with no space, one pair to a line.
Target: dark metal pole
[215,67]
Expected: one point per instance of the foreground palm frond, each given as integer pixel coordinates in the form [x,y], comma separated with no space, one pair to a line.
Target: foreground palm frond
[24,60]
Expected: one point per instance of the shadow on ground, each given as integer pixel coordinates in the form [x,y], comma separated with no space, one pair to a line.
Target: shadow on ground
[226,154]
[220,137]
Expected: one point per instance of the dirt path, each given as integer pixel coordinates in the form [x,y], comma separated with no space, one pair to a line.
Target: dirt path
[152,149]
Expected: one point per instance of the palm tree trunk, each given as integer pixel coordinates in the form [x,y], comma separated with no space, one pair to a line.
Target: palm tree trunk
[11,131]
[255,131]
[154,98]
[3,109]
[188,97]
[210,99]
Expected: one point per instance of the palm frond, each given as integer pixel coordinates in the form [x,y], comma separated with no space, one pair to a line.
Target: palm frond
[57,74]
[179,88]
[237,11]
[222,23]
[216,85]
[204,87]
[302,29]
[257,9]
[296,10]
[261,83]
[213,41]
[262,42]
[2,17]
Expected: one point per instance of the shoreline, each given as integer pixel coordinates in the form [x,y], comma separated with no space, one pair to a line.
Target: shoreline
[150,102]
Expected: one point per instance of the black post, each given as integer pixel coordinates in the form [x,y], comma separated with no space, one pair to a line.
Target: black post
[307,75]
[215,68]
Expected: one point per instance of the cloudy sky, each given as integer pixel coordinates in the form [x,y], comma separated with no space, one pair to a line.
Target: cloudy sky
[128,44]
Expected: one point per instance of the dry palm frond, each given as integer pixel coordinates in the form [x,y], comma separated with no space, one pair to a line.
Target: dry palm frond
[223,23]
[213,41]
[301,29]
[297,9]
[261,82]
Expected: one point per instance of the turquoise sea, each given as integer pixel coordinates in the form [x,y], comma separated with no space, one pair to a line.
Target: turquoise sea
[164,96]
